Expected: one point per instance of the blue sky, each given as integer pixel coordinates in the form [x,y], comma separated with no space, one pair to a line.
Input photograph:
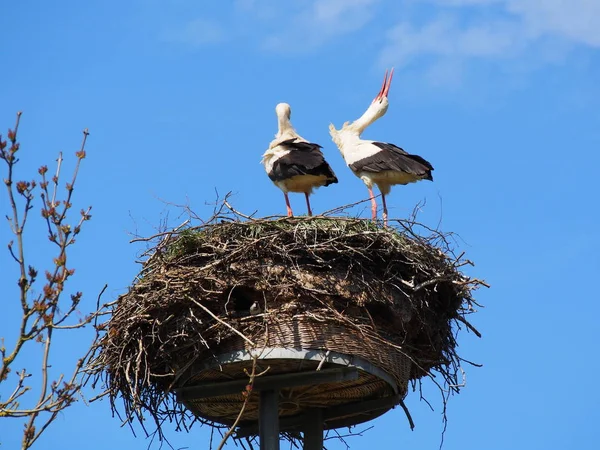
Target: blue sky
[502,96]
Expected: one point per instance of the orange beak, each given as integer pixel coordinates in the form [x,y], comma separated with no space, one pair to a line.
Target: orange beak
[385,87]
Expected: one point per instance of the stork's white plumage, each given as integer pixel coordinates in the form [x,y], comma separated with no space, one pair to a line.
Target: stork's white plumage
[375,162]
[292,163]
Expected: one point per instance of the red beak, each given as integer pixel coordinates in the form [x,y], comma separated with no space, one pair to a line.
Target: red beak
[385,87]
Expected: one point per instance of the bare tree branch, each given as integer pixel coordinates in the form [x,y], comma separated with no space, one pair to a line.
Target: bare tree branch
[48,310]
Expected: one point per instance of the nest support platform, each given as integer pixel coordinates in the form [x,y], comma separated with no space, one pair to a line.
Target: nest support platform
[342,390]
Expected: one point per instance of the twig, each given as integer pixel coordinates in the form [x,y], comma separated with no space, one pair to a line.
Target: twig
[210,313]
[323,360]
[345,207]
[226,203]
[165,233]
[354,434]
[56,178]
[468,325]
[408,416]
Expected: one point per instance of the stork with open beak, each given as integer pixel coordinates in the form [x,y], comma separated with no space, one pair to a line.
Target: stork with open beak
[376,162]
[293,164]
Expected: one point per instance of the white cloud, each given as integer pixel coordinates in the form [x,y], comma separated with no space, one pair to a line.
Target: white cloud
[442,46]
[445,37]
[264,10]
[334,10]
[245,5]
[460,2]
[533,30]
[575,20]
[198,32]
[292,26]
[439,38]
[320,21]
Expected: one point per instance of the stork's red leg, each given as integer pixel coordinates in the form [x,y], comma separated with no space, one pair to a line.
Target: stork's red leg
[287,203]
[308,204]
[373,205]
[385,215]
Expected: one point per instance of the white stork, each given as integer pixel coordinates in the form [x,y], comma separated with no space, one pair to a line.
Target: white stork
[294,164]
[375,162]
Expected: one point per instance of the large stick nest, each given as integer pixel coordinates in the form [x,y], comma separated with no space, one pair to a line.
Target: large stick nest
[396,288]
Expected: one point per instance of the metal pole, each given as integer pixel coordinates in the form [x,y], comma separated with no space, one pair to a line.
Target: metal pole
[313,430]
[268,421]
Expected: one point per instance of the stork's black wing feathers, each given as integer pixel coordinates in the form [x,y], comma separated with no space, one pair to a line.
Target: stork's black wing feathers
[392,157]
[304,158]
[295,144]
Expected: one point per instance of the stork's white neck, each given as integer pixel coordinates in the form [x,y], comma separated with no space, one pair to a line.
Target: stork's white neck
[368,117]
[285,131]
[373,112]
[284,126]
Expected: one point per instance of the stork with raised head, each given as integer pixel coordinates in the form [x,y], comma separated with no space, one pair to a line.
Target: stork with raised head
[292,163]
[376,162]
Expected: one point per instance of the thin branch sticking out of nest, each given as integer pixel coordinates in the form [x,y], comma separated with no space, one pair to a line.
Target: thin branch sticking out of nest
[397,289]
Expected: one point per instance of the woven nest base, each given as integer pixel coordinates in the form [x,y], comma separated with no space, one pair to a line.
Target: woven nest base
[308,332]
[389,370]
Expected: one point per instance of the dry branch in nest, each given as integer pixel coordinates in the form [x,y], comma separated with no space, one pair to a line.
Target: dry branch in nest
[382,294]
